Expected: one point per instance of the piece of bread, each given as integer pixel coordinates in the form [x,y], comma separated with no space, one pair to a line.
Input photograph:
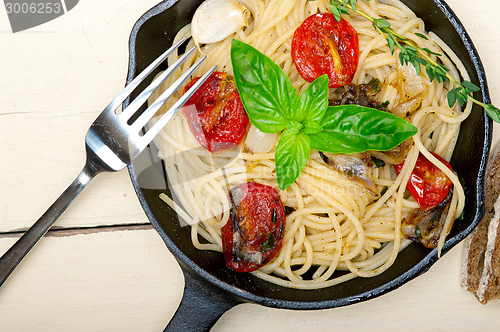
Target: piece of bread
[489,284]
[481,266]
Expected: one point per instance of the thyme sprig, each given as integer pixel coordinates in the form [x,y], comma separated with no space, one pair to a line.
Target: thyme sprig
[410,53]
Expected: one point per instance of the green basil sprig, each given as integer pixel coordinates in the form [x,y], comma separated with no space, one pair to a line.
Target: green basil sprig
[307,122]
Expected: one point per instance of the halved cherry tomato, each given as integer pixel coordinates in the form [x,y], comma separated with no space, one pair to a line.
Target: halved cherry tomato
[218,119]
[323,45]
[428,184]
[254,231]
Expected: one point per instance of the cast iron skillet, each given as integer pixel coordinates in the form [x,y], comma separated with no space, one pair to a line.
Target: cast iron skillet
[211,288]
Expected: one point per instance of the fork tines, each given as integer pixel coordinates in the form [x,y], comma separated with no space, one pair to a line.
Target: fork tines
[156,128]
[138,124]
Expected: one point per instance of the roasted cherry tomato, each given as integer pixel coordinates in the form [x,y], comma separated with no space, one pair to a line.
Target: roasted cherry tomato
[215,113]
[323,45]
[428,184]
[254,231]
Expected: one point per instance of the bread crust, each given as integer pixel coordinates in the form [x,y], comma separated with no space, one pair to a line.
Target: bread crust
[474,257]
[481,267]
[489,284]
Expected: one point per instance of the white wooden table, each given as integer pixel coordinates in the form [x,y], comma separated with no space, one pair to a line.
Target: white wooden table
[54,80]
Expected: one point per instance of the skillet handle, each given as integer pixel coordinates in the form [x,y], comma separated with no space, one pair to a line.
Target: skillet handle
[201,306]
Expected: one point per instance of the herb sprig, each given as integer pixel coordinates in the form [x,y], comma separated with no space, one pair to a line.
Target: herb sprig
[410,53]
[307,122]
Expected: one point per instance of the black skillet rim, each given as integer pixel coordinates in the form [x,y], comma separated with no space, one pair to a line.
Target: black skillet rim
[421,267]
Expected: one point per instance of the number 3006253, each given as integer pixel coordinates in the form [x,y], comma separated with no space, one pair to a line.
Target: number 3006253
[33,7]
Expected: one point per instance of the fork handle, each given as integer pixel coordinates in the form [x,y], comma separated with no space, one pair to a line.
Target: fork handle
[13,256]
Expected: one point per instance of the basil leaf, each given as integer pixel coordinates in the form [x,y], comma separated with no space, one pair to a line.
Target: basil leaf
[291,156]
[353,129]
[313,102]
[311,127]
[265,90]
[294,127]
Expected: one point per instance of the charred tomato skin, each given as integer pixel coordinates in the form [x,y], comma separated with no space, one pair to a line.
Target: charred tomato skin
[254,232]
[215,113]
[428,184]
[323,45]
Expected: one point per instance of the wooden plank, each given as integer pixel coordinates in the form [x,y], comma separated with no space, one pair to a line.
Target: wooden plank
[49,98]
[128,281]
[94,282]
[56,79]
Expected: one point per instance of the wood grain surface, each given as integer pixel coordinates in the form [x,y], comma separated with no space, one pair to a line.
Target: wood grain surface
[54,80]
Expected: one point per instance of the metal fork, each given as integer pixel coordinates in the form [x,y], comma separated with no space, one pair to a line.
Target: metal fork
[111,143]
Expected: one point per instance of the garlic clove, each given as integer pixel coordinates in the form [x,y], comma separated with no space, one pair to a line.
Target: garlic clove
[214,20]
[408,82]
[259,142]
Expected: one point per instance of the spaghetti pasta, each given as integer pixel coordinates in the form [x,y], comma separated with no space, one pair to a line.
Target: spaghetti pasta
[337,230]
